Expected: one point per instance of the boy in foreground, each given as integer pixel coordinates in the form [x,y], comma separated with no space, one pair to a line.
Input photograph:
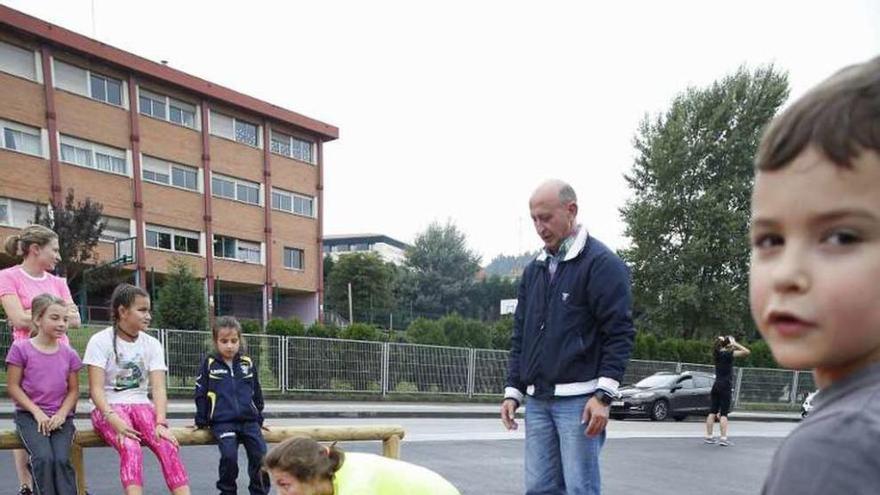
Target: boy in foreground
[815,277]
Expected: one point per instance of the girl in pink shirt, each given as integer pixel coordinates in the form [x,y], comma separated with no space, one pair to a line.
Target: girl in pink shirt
[19,284]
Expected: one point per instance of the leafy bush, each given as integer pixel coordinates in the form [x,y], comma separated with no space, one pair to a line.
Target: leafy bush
[361,331]
[286,328]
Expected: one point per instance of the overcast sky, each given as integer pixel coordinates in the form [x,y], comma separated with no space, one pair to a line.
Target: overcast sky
[456,110]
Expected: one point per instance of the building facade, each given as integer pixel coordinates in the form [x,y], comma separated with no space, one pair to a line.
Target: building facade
[186,167]
[389,249]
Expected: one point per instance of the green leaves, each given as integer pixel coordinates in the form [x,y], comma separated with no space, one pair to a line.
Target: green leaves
[181,300]
[688,218]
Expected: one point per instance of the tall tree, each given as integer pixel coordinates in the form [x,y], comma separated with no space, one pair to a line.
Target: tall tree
[688,218]
[79,226]
[372,282]
[443,270]
[181,300]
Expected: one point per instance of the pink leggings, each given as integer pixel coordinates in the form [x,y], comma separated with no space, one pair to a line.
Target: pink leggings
[141,417]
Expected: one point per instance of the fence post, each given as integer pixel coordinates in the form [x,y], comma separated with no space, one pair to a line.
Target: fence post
[386,351]
[739,379]
[283,351]
[678,367]
[472,371]
[281,364]
[794,387]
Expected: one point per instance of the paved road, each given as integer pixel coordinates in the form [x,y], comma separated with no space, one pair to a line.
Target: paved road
[657,458]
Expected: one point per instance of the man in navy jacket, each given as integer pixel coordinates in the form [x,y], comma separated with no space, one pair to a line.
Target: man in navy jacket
[572,338]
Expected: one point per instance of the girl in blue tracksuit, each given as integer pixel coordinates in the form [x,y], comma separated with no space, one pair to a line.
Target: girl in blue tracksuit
[229,401]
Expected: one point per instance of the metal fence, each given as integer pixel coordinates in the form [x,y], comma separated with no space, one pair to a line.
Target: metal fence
[307,364]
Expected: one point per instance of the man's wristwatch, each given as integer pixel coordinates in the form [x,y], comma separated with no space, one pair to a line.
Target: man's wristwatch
[604,397]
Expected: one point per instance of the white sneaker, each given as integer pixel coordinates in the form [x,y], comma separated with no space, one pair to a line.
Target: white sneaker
[724,442]
[710,440]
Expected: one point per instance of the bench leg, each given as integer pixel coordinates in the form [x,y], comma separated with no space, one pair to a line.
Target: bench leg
[391,447]
[76,458]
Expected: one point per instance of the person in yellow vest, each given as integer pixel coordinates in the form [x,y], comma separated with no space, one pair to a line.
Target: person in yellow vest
[302,466]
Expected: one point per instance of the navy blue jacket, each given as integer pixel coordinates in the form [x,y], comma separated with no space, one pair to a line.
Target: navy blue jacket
[225,395]
[576,328]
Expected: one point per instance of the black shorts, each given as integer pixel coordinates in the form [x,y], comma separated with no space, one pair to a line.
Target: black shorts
[720,400]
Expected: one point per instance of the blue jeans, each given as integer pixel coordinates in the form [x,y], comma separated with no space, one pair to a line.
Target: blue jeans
[560,458]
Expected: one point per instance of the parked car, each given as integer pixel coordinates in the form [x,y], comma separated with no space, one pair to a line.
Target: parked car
[665,394]
[807,406]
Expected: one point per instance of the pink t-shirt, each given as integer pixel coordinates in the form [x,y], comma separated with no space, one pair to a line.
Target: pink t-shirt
[14,280]
[44,376]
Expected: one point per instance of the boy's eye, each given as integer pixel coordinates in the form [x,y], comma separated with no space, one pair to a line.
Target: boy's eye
[841,237]
[764,241]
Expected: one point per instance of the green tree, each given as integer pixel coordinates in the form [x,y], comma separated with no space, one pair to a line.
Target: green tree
[181,300]
[424,331]
[484,298]
[372,284]
[688,218]
[443,270]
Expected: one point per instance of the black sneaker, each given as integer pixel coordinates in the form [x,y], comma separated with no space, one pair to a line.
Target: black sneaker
[25,490]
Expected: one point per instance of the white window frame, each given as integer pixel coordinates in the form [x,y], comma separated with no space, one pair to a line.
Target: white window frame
[107,80]
[88,85]
[293,197]
[152,164]
[239,245]
[95,149]
[168,102]
[8,204]
[235,183]
[235,121]
[173,233]
[113,238]
[280,136]
[11,219]
[37,66]
[25,129]
[302,258]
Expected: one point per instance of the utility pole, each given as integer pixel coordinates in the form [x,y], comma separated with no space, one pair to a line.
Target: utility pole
[350,310]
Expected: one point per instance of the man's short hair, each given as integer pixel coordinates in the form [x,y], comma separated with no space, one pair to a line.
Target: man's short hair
[840,116]
[567,194]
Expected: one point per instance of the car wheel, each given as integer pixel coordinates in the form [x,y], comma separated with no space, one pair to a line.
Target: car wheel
[660,410]
[679,417]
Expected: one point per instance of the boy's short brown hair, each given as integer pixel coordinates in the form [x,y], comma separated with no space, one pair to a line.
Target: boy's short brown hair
[840,116]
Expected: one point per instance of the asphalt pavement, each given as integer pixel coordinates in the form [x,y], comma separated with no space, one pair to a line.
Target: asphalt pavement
[479,457]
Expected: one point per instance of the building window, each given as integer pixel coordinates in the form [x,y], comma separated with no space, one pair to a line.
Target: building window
[166,108]
[181,241]
[106,89]
[293,202]
[236,189]
[18,61]
[21,138]
[292,147]
[93,155]
[87,83]
[115,229]
[293,258]
[237,249]
[360,247]
[235,129]
[15,213]
[170,174]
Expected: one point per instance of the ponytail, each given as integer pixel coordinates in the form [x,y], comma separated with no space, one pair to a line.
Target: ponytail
[18,245]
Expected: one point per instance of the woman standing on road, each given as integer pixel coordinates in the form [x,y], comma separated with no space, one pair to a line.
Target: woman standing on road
[726,348]
[19,285]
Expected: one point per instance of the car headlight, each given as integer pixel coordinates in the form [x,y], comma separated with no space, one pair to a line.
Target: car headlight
[643,395]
